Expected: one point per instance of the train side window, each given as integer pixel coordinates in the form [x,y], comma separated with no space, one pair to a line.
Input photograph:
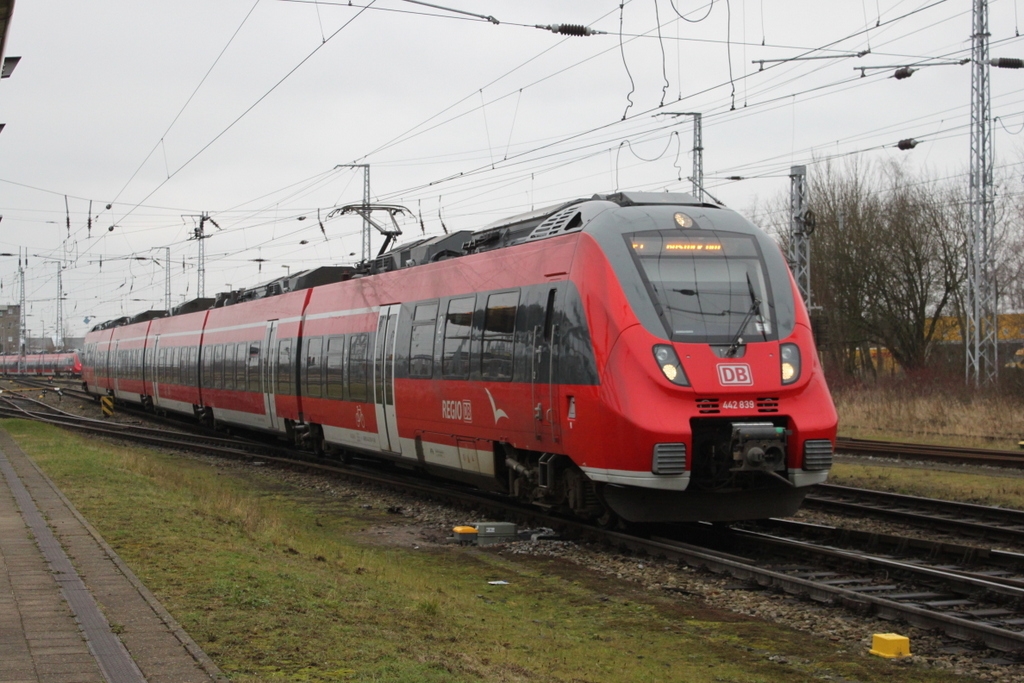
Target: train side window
[229,367]
[218,366]
[549,315]
[285,368]
[252,366]
[357,375]
[499,335]
[458,328]
[314,364]
[206,355]
[335,368]
[421,346]
[190,362]
[241,349]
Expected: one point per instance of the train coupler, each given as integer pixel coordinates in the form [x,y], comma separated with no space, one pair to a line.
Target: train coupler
[758,447]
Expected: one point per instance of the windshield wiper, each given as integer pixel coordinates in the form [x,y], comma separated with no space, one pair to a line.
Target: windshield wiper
[755,306]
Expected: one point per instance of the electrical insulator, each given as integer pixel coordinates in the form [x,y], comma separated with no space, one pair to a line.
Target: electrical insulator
[1007,63]
[810,222]
[903,72]
[909,143]
[570,29]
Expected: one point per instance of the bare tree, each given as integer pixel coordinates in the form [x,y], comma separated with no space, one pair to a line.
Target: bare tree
[888,261]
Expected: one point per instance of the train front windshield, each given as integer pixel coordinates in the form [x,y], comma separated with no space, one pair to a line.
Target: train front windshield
[709,286]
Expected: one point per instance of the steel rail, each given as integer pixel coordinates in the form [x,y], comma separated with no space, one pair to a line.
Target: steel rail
[988,522]
[873,541]
[153,437]
[980,587]
[957,454]
[957,627]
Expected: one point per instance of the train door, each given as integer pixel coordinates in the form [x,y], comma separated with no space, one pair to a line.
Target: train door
[384,378]
[543,364]
[268,375]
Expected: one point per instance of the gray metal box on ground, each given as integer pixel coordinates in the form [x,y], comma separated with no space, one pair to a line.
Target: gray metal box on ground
[491,533]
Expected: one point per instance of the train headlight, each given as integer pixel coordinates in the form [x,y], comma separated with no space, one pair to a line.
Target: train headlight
[790,357]
[670,366]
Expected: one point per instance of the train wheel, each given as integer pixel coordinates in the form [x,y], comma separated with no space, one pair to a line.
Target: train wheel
[609,520]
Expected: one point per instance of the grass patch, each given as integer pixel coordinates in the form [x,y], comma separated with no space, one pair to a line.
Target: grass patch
[1005,491]
[271,581]
[935,415]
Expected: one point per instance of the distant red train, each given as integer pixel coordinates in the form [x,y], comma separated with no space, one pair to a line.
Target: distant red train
[46,364]
[642,356]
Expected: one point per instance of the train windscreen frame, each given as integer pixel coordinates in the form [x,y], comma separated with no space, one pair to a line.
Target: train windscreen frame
[706,284]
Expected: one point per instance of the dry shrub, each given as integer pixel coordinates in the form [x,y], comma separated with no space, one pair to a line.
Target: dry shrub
[929,407]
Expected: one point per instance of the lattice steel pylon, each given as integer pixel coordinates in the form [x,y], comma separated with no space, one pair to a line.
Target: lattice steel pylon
[59,341]
[167,279]
[698,152]
[23,332]
[981,334]
[199,235]
[698,156]
[366,203]
[801,225]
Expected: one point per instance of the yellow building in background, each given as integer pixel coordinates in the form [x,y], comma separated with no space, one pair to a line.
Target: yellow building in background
[1011,328]
[1011,338]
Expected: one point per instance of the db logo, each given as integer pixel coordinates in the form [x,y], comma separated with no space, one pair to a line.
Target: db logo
[735,374]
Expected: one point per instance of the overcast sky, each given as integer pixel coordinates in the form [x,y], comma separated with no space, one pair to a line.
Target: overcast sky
[246,108]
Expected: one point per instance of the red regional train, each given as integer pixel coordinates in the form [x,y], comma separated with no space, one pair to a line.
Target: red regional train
[46,364]
[642,356]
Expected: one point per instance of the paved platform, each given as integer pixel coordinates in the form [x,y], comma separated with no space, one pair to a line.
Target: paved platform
[61,588]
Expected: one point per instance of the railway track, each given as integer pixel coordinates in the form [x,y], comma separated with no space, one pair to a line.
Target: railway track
[949,454]
[198,439]
[978,521]
[969,601]
[979,609]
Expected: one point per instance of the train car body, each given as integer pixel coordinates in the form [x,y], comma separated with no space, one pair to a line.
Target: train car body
[642,356]
[42,364]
